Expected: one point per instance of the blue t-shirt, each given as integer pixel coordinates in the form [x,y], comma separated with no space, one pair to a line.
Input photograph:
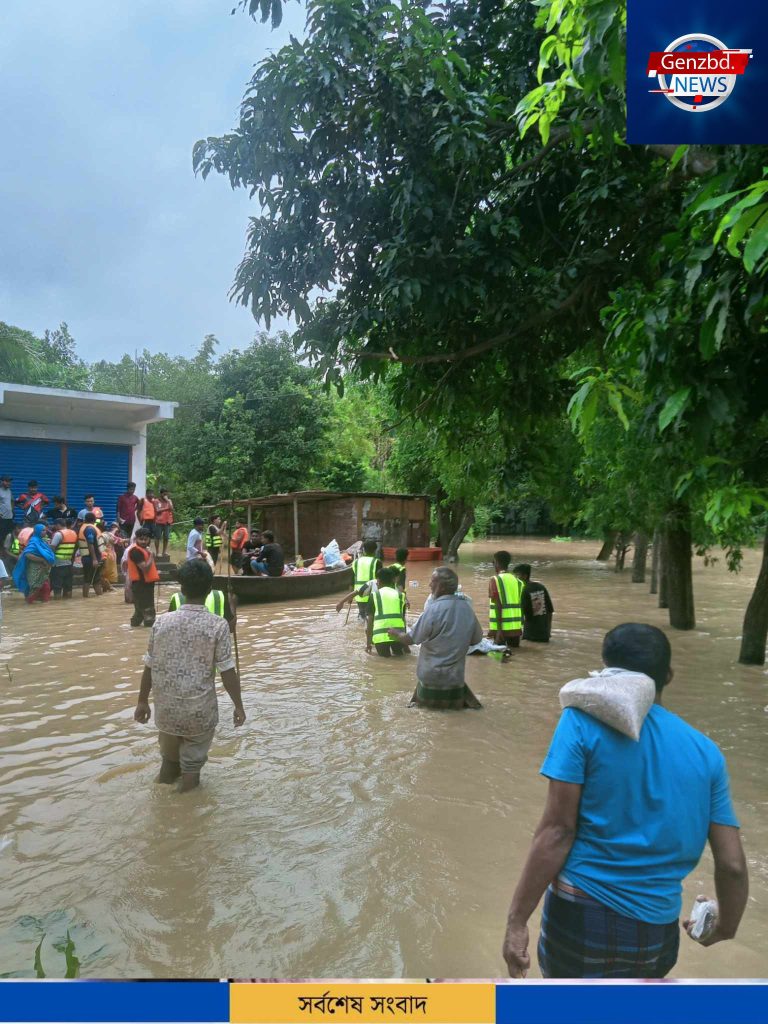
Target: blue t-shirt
[645,809]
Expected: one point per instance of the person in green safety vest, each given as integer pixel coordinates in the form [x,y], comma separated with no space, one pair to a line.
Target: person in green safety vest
[401,557]
[365,568]
[505,592]
[217,603]
[388,605]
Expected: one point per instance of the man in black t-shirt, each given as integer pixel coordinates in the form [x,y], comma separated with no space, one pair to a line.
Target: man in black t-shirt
[537,607]
[271,561]
[250,552]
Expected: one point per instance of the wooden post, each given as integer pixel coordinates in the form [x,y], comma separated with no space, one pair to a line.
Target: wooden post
[296,527]
[249,520]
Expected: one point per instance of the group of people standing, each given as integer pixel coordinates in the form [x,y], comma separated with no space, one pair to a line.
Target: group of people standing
[52,537]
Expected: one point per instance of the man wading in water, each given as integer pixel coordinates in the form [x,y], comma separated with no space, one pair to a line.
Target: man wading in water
[625,821]
[445,629]
[186,648]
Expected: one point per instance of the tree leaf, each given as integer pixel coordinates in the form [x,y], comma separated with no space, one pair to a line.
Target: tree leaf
[39,972]
[757,244]
[673,407]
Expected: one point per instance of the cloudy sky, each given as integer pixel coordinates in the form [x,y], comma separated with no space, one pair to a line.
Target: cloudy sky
[102,222]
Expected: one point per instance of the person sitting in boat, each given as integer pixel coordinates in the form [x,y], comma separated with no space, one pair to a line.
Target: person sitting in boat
[251,551]
[271,560]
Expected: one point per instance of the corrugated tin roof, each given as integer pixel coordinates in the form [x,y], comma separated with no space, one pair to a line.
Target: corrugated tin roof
[302,496]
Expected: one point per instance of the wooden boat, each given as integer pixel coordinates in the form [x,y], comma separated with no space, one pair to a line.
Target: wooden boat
[417,554]
[258,589]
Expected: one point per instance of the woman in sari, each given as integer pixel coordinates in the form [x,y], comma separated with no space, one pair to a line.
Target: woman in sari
[34,567]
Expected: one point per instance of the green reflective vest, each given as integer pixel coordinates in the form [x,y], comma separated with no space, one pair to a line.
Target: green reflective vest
[365,570]
[388,613]
[400,570]
[15,546]
[214,602]
[510,594]
[65,552]
[213,540]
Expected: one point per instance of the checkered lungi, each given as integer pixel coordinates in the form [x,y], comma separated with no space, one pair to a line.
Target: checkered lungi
[582,938]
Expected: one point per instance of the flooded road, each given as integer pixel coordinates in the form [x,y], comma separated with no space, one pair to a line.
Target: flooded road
[338,833]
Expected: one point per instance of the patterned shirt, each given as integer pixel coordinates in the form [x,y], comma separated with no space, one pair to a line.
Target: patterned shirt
[185,649]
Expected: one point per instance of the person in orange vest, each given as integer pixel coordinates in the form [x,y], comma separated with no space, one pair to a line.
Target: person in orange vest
[143,574]
[163,521]
[147,512]
[64,543]
[237,542]
[92,553]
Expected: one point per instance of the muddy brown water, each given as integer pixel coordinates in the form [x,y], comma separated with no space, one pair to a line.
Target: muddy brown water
[338,833]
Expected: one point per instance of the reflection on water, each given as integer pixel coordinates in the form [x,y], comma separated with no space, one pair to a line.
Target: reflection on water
[338,833]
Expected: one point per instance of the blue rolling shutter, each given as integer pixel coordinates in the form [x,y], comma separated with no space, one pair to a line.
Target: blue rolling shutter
[31,460]
[98,469]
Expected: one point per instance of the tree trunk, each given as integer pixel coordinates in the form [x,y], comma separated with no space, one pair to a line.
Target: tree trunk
[663,578]
[609,539]
[755,629]
[622,544]
[679,573]
[640,557]
[655,561]
[452,554]
[455,519]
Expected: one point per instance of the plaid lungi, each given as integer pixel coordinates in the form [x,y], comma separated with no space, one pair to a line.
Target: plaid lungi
[582,938]
[434,697]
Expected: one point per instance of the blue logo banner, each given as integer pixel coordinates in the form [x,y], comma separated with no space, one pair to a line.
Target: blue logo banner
[697,72]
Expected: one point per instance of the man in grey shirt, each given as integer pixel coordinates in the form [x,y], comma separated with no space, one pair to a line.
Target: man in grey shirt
[445,629]
[6,508]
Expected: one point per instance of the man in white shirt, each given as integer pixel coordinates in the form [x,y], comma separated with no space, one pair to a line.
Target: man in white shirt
[195,543]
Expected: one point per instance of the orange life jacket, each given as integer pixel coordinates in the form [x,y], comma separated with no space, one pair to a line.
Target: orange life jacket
[150,574]
[83,543]
[239,537]
[148,510]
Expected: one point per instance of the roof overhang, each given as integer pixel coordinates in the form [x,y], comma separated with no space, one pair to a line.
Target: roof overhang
[25,404]
[300,497]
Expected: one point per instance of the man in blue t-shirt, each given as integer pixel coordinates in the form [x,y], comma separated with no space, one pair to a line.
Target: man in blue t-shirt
[625,822]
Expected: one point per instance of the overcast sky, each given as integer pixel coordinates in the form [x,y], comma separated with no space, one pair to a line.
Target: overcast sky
[102,222]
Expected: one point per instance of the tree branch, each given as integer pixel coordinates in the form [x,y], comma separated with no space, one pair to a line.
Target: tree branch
[482,346]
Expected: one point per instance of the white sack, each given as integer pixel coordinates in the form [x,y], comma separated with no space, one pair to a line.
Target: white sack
[614,696]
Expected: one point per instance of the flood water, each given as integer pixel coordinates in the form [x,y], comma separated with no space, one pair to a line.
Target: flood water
[338,833]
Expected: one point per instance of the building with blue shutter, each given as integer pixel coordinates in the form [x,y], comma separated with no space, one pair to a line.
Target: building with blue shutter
[76,442]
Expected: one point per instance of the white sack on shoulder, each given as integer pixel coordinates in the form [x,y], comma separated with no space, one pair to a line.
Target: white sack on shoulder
[614,696]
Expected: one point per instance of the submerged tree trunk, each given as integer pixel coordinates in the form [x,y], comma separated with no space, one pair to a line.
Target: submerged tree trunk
[663,578]
[679,566]
[609,540]
[622,545]
[640,557]
[655,561]
[452,554]
[455,519]
[755,629]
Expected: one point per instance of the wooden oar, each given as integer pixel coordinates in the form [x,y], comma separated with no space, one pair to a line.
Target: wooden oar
[230,595]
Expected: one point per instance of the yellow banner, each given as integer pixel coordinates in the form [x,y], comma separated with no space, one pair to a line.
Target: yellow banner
[356,1003]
